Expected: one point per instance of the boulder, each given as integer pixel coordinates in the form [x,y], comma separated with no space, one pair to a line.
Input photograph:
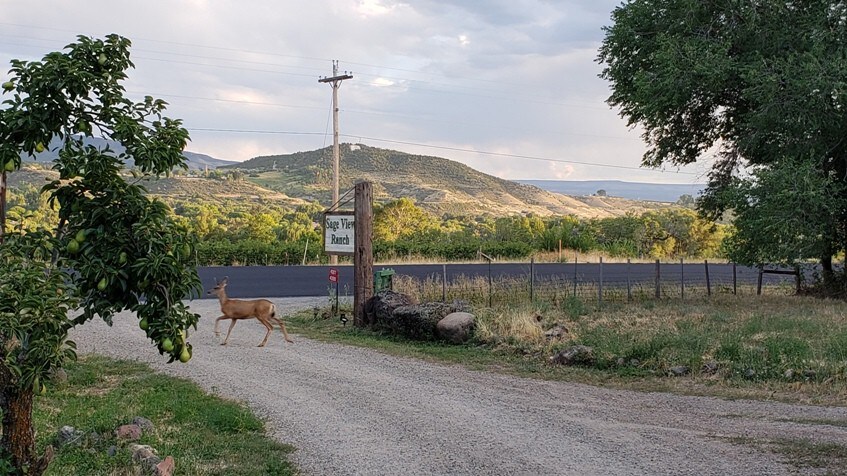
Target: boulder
[143,423]
[165,467]
[69,435]
[678,371]
[556,332]
[418,321]
[576,355]
[456,327]
[379,309]
[128,432]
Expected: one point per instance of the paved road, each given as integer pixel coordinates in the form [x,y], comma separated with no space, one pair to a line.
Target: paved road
[294,281]
[355,411]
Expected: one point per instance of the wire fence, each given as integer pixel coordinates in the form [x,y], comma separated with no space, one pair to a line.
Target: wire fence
[601,282]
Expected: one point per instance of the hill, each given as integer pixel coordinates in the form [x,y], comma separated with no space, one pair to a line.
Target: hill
[196,189]
[660,192]
[194,161]
[439,185]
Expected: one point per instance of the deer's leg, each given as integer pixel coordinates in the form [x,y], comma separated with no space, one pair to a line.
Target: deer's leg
[268,326]
[231,325]
[282,327]
[217,332]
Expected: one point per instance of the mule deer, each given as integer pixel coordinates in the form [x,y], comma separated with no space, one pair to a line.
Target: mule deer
[236,309]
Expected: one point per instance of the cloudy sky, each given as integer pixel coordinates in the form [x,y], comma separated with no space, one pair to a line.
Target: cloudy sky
[508,87]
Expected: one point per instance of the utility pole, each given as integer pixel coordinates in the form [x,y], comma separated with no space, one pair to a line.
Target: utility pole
[335,82]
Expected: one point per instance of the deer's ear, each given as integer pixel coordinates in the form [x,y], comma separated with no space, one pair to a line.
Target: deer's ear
[223,281]
[216,281]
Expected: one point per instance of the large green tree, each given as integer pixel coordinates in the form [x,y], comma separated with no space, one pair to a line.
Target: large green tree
[112,248]
[763,85]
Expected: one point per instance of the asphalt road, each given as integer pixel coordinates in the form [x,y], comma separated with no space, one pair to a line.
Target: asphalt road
[299,281]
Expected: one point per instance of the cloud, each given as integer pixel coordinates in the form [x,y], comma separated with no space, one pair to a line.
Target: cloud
[509,76]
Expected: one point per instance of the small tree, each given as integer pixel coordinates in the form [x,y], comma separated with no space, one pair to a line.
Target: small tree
[112,248]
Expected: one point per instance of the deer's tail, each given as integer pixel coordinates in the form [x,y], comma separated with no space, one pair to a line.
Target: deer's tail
[273,310]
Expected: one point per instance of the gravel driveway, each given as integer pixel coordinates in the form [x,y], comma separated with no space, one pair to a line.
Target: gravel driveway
[352,411]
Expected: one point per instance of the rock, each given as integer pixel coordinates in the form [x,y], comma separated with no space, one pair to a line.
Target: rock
[165,467]
[419,321]
[576,355]
[710,367]
[620,362]
[141,452]
[678,371]
[143,423]
[789,374]
[634,362]
[112,451]
[456,327]
[379,309]
[557,332]
[128,432]
[68,436]
[749,374]
[809,374]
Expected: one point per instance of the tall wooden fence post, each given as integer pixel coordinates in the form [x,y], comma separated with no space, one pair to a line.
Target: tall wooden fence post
[682,278]
[363,261]
[759,284]
[444,282]
[658,280]
[532,280]
[575,258]
[628,281]
[600,288]
[734,279]
[708,281]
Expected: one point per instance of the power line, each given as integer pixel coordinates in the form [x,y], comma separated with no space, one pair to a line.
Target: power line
[454,149]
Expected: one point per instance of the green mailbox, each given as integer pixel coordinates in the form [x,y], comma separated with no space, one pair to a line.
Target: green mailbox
[383,279]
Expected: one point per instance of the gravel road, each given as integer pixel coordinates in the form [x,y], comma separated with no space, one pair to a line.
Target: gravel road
[353,411]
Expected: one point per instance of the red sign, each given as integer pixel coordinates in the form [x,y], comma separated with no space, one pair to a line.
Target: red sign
[333,275]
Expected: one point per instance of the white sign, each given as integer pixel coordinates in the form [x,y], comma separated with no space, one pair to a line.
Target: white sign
[338,233]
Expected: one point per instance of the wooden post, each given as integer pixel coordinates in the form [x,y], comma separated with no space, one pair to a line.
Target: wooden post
[734,279]
[363,261]
[759,285]
[575,258]
[600,288]
[444,282]
[682,278]
[708,281]
[658,280]
[532,280]
[797,279]
[628,283]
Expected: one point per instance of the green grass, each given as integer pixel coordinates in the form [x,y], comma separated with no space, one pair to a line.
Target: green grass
[826,458]
[768,347]
[205,434]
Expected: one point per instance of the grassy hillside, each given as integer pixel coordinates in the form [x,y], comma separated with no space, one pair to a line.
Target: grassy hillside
[437,184]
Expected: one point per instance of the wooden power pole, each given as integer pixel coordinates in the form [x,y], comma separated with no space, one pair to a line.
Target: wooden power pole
[363,261]
[335,82]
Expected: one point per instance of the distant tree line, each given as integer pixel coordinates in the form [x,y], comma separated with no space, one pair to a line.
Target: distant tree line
[235,232]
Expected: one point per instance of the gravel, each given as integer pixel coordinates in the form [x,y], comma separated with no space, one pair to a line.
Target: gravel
[354,411]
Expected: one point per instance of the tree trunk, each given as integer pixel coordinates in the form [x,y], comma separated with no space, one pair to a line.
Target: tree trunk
[2,205]
[18,440]
[828,275]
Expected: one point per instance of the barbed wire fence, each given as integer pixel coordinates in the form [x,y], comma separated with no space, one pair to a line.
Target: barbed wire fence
[603,283]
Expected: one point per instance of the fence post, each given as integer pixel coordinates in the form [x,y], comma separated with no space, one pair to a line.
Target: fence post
[490,290]
[600,289]
[532,280]
[575,258]
[682,278]
[628,284]
[658,280]
[444,282]
[734,279]
[708,281]
[759,285]
[797,279]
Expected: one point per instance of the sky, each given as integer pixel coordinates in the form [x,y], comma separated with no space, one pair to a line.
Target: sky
[508,87]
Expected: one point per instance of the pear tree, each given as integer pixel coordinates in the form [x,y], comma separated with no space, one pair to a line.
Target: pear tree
[112,249]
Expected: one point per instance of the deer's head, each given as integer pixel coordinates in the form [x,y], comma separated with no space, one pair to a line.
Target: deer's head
[219,286]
